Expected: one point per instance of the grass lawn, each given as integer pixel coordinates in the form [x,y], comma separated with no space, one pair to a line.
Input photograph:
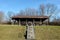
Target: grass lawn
[11,32]
[47,32]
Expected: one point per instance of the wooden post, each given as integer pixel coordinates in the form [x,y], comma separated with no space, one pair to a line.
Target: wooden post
[26,21]
[19,22]
[40,22]
[33,22]
[48,21]
[12,22]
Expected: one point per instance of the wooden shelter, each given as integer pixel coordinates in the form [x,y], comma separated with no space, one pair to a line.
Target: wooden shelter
[36,20]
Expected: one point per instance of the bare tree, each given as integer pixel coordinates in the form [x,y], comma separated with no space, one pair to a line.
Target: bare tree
[21,12]
[51,9]
[48,10]
[31,12]
[28,12]
[42,9]
[9,15]
[1,16]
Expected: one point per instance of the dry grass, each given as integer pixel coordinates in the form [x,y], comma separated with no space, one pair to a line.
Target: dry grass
[10,32]
[15,32]
[47,32]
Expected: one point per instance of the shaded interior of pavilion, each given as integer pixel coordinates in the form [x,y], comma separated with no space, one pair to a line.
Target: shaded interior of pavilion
[25,19]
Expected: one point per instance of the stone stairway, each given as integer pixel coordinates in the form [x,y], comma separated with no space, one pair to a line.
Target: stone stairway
[30,33]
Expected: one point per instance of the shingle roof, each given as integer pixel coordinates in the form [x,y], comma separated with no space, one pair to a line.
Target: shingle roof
[30,17]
